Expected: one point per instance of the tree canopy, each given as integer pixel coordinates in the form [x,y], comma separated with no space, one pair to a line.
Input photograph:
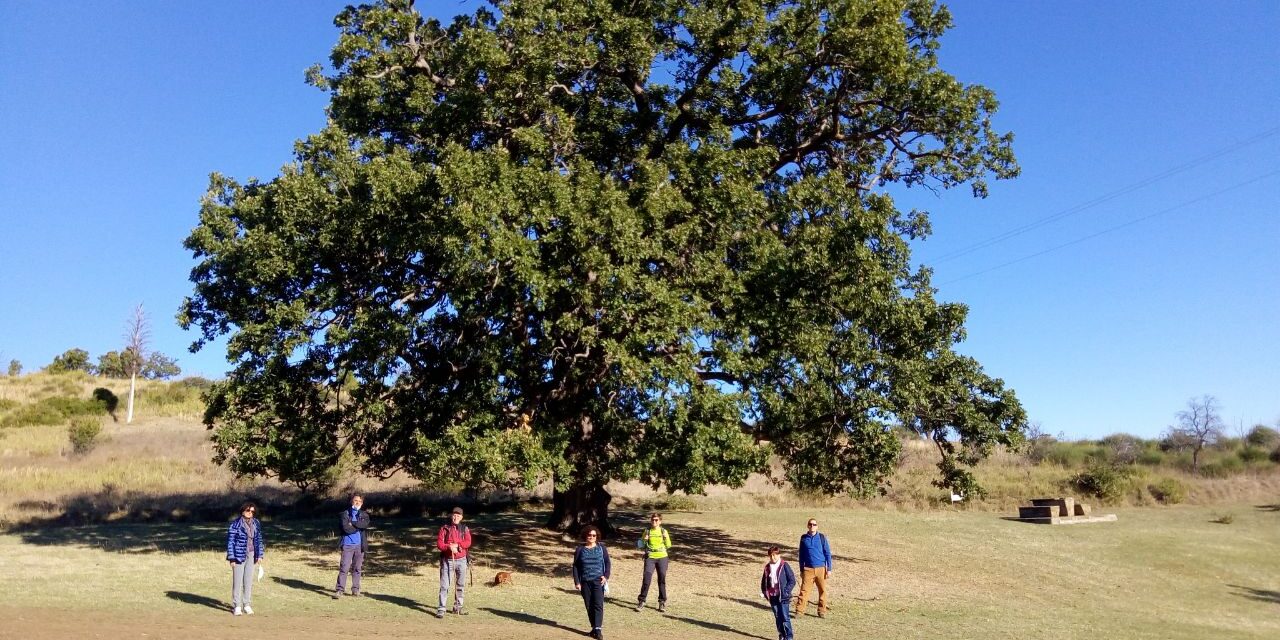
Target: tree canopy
[601,241]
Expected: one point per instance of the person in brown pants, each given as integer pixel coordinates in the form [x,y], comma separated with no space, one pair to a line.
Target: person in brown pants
[815,568]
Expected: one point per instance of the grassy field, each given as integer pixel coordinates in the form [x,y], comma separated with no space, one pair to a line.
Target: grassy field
[125,541]
[1156,573]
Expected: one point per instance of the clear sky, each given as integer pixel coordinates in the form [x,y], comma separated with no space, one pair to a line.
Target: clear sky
[1132,266]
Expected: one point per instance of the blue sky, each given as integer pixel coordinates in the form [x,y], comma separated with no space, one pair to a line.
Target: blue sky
[1147,133]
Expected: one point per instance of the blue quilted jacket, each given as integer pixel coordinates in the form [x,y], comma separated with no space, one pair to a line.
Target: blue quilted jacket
[237,535]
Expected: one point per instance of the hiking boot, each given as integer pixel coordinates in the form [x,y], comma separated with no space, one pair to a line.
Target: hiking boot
[248,610]
[459,611]
[237,612]
[355,594]
[640,606]
[662,607]
[440,613]
[337,595]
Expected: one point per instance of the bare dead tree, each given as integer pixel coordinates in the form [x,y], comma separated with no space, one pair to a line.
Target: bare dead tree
[137,338]
[1199,425]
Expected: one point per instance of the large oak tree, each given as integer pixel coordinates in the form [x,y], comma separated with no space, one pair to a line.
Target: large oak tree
[607,240]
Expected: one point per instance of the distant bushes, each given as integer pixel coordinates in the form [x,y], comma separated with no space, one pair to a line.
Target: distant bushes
[50,411]
[1168,491]
[1106,482]
[1229,456]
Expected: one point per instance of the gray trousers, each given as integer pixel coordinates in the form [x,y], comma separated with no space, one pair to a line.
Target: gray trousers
[242,575]
[353,561]
[455,571]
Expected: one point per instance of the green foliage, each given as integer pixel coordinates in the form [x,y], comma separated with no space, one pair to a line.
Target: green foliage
[1168,490]
[1151,457]
[1121,448]
[1105,482]
[1072,455]
[607,241]
[1275,455]
[83,432]
[122,364]
[118,364]
[1263,436]
[1223,467]
[1252,454]
[52,410]
[15,368]
[70,360]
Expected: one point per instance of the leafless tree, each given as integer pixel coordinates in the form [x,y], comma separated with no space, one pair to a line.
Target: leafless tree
[1199,425]
[137,338]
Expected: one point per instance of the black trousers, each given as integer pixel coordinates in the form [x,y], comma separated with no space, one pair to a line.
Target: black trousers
[593,598]
[650,564]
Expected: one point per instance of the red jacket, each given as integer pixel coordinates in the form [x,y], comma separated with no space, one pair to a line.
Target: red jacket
[459,535]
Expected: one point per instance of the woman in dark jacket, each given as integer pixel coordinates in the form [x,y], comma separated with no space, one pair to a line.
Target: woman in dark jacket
[591,571]
[244,551]
[775,586]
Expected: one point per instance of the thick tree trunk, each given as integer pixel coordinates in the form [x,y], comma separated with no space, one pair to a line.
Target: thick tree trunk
[579,506]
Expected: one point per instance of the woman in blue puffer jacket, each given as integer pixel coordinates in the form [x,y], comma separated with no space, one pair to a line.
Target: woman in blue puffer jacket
[244,551]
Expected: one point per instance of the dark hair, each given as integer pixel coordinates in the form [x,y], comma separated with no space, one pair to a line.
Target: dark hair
[357,495]
[655,514]
[248,505]
[591,528]
[773,550]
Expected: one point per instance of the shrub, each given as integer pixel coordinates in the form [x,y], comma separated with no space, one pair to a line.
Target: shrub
[1275,455]
[1121,448]
[84,432]
[33,415]
[1151,457]
[1168,491]
[1263,437]
[1072,454]
[1252,455]
[1222,467]
[1105,482]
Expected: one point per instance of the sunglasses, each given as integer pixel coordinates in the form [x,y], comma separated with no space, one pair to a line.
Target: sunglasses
[591,535]
[813,524]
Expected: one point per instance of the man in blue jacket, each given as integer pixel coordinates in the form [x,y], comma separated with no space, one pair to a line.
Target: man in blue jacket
[355,543]
[815,568]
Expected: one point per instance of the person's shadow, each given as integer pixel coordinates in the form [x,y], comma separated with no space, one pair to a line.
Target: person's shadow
[402,601]
[197,599]
[520,616]
[715,626]
[302,586]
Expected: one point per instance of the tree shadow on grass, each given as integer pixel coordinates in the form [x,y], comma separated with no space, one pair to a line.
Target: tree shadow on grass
[1261,595]
[399,545]
[520,616]
[714,626]
[197,599]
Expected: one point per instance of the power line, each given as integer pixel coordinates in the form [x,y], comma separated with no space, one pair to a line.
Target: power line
[1119,226]
[1107,196]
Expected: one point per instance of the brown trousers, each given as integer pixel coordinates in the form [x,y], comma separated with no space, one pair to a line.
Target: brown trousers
[809,577]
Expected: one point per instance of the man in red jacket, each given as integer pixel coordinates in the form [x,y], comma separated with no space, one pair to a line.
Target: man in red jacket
[453,541]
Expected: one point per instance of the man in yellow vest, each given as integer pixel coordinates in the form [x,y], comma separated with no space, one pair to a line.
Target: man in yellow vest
[654,541]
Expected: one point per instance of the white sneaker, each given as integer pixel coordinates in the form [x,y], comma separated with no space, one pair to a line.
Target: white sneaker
[236,612]
[248,610]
